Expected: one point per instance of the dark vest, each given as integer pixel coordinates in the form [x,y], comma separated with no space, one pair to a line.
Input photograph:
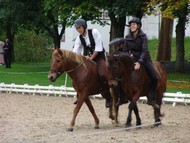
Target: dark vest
[88,50]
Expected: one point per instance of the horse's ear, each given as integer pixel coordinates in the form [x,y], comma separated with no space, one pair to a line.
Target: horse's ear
[52,49]
[59,51]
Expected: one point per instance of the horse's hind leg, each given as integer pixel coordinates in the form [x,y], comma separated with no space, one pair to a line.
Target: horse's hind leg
[136,111]
[91,108]
[156,116]
[157,113]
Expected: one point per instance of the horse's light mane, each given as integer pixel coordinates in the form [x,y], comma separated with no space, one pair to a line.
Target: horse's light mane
[72,56]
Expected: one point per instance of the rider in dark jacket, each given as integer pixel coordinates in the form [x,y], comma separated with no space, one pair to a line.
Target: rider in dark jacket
[7,48]
[136,44]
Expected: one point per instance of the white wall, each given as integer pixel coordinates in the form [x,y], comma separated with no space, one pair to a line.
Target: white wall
[150,25]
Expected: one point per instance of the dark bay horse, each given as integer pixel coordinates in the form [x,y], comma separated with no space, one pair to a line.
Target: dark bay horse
[84,75]
[134,84]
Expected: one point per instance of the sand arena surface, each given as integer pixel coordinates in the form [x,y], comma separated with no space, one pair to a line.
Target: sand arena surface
[42,119]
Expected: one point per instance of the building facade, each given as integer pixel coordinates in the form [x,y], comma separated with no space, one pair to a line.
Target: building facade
[150,25]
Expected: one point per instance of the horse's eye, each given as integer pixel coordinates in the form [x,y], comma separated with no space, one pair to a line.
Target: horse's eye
[58,61]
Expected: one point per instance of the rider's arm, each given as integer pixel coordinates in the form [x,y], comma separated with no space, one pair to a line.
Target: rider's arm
[98,40]
[144,52]
[77,47]
[95,53]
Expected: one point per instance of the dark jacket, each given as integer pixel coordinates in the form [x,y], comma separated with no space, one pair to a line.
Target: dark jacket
[7,48]
[138,47]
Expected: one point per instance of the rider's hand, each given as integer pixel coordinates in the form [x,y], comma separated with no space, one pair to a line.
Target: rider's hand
[137,66]
[87,57]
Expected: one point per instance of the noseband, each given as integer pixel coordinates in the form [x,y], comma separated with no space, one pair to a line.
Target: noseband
[56,71]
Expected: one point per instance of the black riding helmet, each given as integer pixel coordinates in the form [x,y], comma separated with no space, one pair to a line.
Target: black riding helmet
[80,22]
[136,20]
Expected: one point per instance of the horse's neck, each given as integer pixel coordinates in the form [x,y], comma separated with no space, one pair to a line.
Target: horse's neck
[128,65]
[73,62]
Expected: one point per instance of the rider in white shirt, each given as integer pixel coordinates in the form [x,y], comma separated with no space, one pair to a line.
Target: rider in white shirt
[90,43]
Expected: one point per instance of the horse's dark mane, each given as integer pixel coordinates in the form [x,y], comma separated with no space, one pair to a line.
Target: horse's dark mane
[123,57]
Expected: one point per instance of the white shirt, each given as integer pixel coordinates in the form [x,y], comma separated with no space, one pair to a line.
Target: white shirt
[78,47]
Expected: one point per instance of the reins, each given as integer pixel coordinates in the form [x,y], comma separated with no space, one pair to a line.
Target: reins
[77,66]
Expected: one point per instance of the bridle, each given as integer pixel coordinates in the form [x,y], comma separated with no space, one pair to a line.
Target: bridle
[69,71]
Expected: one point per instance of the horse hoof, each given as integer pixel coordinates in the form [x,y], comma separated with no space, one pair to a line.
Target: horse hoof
[96,127]
[70,130]
[127,125]
[157,124]
[138,126]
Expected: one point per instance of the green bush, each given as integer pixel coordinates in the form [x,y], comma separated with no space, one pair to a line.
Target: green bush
[30,47]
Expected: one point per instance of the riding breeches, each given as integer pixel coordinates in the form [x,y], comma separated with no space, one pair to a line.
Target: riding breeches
[152,73]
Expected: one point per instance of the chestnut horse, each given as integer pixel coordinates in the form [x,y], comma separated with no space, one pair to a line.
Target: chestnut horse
[84,75]
[134,84]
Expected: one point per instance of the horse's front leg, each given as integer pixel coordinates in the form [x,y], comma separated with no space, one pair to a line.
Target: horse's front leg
[91,108]
[80,101]
[114,110]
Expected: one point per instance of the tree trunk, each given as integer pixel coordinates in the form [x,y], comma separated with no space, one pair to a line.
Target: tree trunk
[165,40]
[117,29]
[180,35]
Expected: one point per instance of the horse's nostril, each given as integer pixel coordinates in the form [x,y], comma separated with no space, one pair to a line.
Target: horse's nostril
[51,78]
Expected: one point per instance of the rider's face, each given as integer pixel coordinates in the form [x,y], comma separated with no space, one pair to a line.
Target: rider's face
[80,29]
[133,27]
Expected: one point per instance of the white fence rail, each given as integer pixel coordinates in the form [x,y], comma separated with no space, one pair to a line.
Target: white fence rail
[173,98]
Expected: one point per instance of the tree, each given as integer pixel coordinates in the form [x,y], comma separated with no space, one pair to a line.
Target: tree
[180,34]
[118,10]
[165,40]
[175,9]
[12,16]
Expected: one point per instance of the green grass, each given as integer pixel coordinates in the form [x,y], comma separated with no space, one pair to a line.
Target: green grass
[29,74]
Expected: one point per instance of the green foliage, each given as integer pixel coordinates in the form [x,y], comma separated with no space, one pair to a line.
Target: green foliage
[169,8]
[30,47]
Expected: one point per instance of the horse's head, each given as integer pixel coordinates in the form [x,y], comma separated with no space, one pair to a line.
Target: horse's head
[57,63]
[119,64]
